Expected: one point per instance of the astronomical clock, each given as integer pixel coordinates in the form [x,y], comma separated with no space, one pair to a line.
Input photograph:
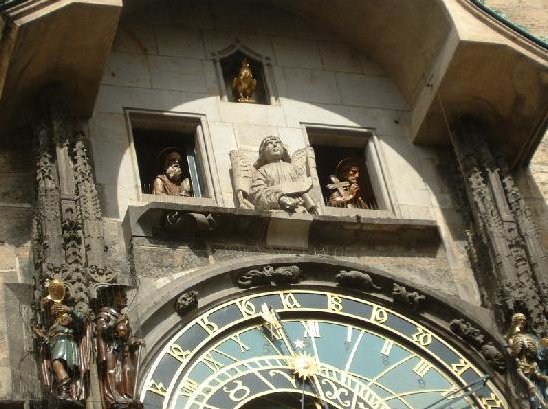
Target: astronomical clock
[311,348]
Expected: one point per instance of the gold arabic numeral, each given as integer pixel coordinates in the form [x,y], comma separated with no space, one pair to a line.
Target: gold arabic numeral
[379,315]
[211,362]
[334,303]
[460,367]
[157,388]
[491,402]
[188,387]
[239,392]
[243,346]
[177,352]
[246,307]
[311,329]
[421,368]
[209,326]
[387,347]
[422,337]
[289,301]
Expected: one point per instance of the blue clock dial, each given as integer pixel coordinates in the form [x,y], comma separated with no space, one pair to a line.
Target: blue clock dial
[328,350]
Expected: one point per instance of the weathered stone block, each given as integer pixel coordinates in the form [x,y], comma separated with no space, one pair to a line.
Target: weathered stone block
[312,86]
[174,73]
[135,38]
[179,42]
[16,188]
[370,91]
[340,57]
[127,70]
[297,53]
[165,259]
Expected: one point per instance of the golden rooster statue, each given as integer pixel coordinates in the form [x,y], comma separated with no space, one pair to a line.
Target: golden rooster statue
[243,85]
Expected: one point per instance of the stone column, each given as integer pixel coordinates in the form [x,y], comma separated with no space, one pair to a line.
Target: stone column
[503,226]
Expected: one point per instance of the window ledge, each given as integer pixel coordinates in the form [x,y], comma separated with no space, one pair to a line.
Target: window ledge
[273,229]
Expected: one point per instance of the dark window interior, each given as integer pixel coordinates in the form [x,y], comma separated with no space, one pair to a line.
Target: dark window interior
[149,145]
[327,159]
[231,67]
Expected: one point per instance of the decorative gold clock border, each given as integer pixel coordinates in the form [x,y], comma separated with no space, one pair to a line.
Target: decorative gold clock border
[290,302]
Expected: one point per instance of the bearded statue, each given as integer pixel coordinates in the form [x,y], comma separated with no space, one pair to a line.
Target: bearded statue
[172,180]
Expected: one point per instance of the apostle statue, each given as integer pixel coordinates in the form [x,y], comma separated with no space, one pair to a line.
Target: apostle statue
[346,185]
[529,354]
[117,352]
[276,181]
[65,342]
[171,180]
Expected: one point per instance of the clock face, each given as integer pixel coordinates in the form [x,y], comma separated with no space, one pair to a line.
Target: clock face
[282,348]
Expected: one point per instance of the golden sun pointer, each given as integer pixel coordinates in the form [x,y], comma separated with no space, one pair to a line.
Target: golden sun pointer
[304,366]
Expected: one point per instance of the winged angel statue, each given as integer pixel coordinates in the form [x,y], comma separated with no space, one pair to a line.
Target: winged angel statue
[275,181]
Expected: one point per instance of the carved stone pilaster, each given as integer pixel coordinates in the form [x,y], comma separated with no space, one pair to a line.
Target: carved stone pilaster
[68,240]
[68,233]
[515,259]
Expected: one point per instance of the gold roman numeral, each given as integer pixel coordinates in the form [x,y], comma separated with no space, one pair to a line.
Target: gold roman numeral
[188,387]
[460,367]
[211,362]
[387,347]
[421,368]
[157,388]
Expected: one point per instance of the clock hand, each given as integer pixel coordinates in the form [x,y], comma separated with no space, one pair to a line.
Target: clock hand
[304,365]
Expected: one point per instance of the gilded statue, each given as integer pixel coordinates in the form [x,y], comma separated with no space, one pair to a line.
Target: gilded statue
[529,354]
[346,185]
[117,352]
[172,180]
[243,85]
[65,343]
[276,181]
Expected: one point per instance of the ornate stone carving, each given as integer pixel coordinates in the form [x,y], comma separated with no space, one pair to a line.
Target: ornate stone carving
[276,181]
[117,352]
[346,185]
[172,180]
[65,342]
[356,280]
[515,278]
[243,85]
[525,348]
[283,275]
[410,299]
[69,247]
[476,339]
[186,301]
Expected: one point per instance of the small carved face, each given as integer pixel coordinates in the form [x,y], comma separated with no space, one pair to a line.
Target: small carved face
[172,166]
[273,150]
[353,175]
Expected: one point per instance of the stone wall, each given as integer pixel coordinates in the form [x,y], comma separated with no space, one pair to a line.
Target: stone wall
[16,201]
[161,61]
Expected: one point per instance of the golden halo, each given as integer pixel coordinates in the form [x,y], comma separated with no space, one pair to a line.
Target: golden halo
[57,290]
